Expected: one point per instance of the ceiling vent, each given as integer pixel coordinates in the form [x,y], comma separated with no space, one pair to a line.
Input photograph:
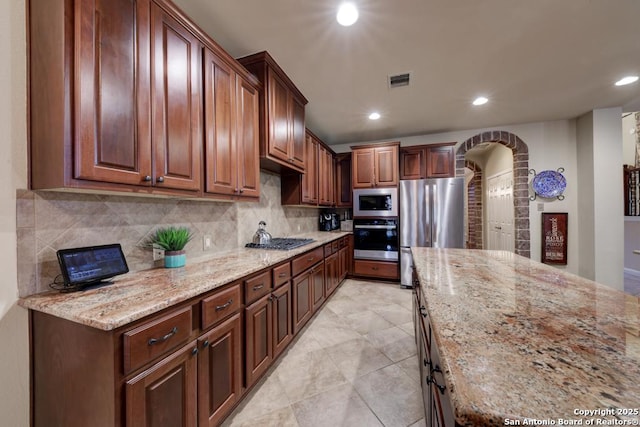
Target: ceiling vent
[399,80]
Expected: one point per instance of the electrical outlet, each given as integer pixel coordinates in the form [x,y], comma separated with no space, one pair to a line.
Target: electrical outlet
[540,207]
[158,253]
[206,242]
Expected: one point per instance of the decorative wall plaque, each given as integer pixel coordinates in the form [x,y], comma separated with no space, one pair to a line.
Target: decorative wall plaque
[554,238]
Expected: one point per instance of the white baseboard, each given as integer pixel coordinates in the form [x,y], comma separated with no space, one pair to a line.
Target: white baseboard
[632,272]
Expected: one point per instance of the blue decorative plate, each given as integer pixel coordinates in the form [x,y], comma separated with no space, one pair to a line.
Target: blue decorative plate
[549,184]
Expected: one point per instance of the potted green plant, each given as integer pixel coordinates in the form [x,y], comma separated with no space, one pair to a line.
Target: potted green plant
[173,240]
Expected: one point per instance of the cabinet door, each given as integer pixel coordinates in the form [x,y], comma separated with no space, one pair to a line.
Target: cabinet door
[413,164]
[247,143]
[219,371]
[344,195]
[298,133]
[386,166]
[258,338]
[282,317]
[165,394]
[111,92]
[302,304]
[324,176]
[342,256]
[220,144]
[331,273]
[310,178]
[176,100]
[363,172]
[318,286]
[441,162]
[279,116]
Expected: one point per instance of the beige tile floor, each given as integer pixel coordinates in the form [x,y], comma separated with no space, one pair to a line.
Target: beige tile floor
[353,365]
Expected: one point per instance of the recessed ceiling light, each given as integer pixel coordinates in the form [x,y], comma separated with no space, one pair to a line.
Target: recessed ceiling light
[374,116]
[481,100]
[347,14]
[627,80]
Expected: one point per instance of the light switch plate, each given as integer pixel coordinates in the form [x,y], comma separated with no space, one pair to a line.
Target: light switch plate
[206,242]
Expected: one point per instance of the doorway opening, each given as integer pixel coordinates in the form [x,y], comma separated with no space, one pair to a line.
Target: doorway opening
[519,193]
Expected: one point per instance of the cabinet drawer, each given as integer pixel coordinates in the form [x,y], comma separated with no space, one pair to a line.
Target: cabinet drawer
[335,245]
[343,242]
[281,274]
[257,286]
[378,269]
[220,305]
[156,337]
[304,261]
[328,250]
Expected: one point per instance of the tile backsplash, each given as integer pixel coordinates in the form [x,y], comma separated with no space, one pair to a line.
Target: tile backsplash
[48,221]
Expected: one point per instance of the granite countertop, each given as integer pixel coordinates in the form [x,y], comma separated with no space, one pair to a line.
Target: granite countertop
[135,295]
[519,339]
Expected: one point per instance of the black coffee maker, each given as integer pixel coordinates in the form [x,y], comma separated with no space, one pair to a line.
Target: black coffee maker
[329,222]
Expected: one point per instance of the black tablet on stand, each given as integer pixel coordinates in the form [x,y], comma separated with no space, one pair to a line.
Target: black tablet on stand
[88,266]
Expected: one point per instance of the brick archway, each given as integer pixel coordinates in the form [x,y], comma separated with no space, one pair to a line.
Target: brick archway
[520,177]
[474,207]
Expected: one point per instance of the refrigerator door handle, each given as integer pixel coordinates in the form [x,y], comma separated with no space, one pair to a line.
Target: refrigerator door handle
[432,224]
[428,215]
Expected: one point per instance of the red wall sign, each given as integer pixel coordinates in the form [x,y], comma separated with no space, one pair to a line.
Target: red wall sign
[554,238]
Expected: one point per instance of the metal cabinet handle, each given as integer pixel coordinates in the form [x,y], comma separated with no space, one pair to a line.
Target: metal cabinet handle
[147,178]
[194,351]
[241,190]
[258,287]
[223,306]
[423,311]
[171,333]
[432,380]
[282,275]
[160,179]
[205,344]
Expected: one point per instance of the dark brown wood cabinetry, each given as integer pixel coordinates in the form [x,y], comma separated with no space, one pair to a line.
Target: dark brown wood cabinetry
[316,186]
[219,371]
[435,395]
[231,137]
[189,364]
[428,161]
[375,165]
[344,193]
[117,95]
[282,129]
[376,269]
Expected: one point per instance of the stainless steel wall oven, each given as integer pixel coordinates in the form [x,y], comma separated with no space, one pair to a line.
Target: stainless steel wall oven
[376,239]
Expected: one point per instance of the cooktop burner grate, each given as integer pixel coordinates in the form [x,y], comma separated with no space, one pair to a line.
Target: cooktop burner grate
[281,243]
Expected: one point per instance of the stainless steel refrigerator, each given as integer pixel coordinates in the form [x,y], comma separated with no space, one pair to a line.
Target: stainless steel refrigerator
[431,215]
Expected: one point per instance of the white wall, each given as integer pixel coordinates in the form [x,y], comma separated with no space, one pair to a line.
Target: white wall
[552,145]
[14,333]
[629,139]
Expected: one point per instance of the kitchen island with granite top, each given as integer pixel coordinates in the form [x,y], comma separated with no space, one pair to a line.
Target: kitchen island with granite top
[176,347]
[504,340]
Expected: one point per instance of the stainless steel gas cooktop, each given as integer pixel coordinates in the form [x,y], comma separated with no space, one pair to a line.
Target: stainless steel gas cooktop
[281,243]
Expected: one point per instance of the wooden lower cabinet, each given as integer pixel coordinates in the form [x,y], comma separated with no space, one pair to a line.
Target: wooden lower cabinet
[376,269]
[332,264]
[258,338]
[219,371]
[282,327]
[165,394]
[187,365]
[435,395]
[302,300]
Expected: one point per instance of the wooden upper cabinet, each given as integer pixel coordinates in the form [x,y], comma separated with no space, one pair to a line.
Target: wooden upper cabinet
[282,128]
[344,195]
[375,166]
[413,163]
[116,101]
[441,161]
[427,161]
[326,173]
[310,176]
[248,141]
[231,139]
[112,140]
[176,96]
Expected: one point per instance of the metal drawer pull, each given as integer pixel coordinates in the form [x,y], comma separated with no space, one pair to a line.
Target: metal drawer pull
[257,287]
[433,381]
[223,306]
[171,333]
[282,275]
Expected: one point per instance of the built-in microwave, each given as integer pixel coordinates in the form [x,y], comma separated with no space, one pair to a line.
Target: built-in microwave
[375,202]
